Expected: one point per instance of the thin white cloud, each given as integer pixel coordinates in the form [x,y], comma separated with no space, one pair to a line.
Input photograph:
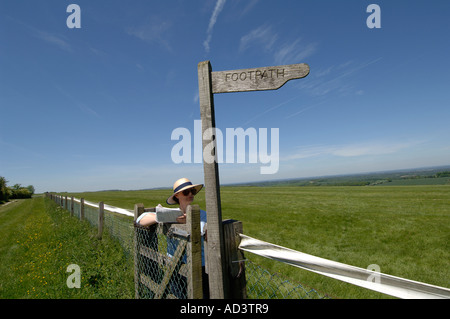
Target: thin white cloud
[263,36]
[88,110]
[50,38]
[294,52]
[331,83]
[333,79]
[212,21]
[351,150]
[155,31]
[54,40]
[75,101]
[249,5]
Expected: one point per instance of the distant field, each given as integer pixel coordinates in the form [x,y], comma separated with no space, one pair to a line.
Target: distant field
[420,181]
[403,229]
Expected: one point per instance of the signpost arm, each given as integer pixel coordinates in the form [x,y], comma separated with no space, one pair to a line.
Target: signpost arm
[215,266]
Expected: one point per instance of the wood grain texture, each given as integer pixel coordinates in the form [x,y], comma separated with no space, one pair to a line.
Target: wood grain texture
[257,79]
[215,265]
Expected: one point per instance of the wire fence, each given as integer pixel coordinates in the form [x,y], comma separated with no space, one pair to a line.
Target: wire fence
[263,284]
[161,262]
[118,226]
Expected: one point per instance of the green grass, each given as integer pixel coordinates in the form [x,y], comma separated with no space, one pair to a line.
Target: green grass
[403,229]
[39,241]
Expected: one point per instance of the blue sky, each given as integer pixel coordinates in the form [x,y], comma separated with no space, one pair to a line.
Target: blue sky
[94,108]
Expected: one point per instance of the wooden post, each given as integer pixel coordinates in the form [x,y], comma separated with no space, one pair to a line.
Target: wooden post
[138,210]
[71,206]
[194,253]
[101,218]
[234,259]
[256,79]
[65,203]
[82,209]
[217,280]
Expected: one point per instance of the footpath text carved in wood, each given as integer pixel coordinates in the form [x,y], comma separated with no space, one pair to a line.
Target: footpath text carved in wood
[258,79]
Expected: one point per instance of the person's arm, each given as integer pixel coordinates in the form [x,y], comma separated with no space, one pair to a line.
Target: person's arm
[148,219]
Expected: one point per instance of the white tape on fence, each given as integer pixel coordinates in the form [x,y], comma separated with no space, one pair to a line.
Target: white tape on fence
[108,208]
[387,284]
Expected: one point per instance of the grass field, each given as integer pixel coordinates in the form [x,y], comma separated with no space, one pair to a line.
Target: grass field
[39,241]
[403,229]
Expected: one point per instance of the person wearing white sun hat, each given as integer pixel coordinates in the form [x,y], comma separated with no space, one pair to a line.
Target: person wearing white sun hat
[183,195]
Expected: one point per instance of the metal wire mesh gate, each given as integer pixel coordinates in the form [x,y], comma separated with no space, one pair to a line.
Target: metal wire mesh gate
[159,274]
[168,258]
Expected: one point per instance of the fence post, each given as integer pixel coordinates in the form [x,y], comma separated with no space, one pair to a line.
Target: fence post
[82,209]
[65,203]
[101,218]
[234,259]
[71,206]
[138,211]
[194,248]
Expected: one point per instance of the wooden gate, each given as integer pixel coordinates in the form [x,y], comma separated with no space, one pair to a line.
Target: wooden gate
[167,258]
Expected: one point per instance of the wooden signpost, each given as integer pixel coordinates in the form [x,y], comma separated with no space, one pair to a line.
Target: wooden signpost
[259,79]
[256,79]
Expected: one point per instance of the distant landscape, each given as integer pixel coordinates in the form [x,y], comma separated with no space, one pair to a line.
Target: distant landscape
[419,176]
[439,175]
